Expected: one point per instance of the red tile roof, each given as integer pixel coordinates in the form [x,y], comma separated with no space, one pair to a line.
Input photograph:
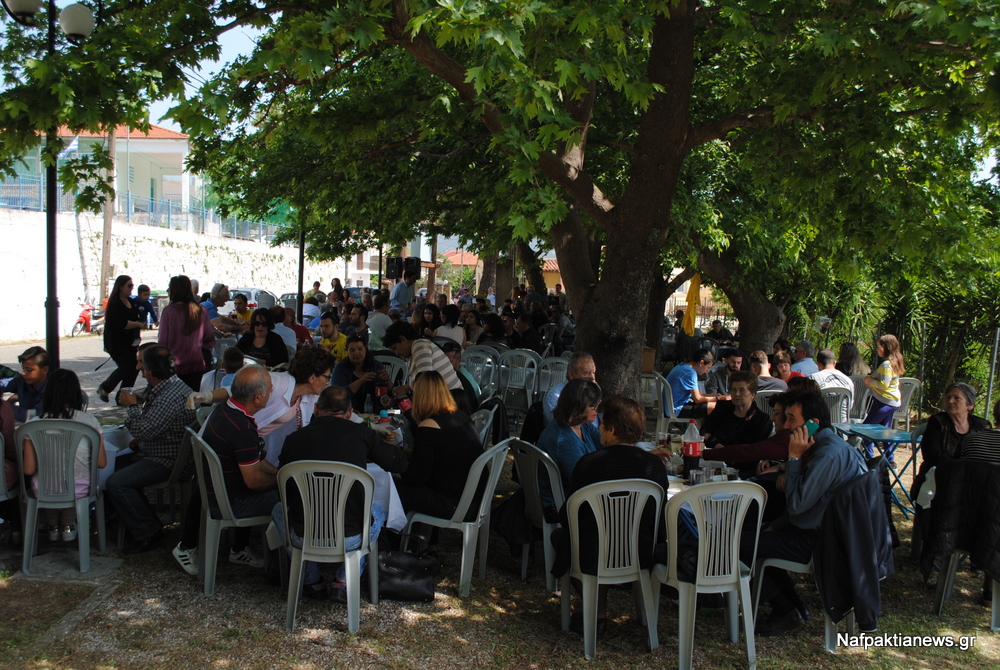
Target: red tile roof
[155,133]
[550,265]
[458,257]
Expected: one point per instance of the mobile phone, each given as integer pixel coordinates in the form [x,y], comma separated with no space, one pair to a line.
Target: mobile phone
[811,427]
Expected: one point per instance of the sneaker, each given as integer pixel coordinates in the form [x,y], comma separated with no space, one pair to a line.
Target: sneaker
[246,557]
[54,533]
[69,533]
[188,559]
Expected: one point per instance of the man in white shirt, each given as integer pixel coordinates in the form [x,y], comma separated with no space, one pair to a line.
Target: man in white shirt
[286,334]
[378,322]
[829,376]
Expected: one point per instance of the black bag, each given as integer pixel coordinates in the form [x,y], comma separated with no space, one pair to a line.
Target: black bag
[406,576]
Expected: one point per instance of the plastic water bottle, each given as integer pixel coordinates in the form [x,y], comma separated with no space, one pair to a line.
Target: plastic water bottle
[692,449]
[368,404]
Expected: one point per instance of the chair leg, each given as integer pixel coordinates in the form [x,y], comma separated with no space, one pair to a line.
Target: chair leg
[30,535]
[995,618]
[748,622]
[589,599]
[732,615]
[213,536]
[525,554]
[83,533]
[102,540]
[687,608]
[565,586]
[296,576]
[550,557]
[469,538]
[651,604]
[352,566]
[946,580]
[373,576]
[484,544]
[829,634]
[639,598]
[757,581]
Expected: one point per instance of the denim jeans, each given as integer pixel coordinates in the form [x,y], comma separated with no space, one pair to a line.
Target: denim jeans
[125,489]
[353,542]
[881,414]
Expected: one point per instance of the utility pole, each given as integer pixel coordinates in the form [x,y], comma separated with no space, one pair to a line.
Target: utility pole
[109,213]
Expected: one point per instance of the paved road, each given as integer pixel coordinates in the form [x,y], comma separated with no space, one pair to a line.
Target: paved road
[81,355]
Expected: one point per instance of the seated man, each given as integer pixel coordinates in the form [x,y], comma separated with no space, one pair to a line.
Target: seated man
[378,322]
[828,376]
[689,401]
[332,340]
[423,355]
[809,486]
[565,329]
[761,366]
[804,363]
[530,338]
[157,428]
[737,421]
[219,297]
[453,350]
[283,330]
[29,386]
[581,366]
[243,313]
[718,380]
[359,324]
[718,333]
[333,436]
[302,335]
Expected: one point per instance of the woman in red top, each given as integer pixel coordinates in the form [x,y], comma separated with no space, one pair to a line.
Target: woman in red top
[783,366]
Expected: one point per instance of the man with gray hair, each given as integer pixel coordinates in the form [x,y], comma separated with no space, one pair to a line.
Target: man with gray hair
[223,324]
[804,363]
[828,376]
[581,366]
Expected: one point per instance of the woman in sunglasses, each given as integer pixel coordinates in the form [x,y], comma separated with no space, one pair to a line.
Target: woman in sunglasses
[262,343]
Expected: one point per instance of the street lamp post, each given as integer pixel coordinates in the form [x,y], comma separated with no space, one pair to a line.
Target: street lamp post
[77,22]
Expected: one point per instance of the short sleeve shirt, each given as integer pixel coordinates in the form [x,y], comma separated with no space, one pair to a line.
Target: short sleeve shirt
[682,379]
[213,311]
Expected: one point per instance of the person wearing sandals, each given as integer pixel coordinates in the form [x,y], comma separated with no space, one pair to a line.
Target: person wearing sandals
[65,400]
[334,435]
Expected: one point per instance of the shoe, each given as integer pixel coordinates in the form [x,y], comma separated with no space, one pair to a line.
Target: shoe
[316,591]
[246,557]
[187,558]
[54,533]
[69,533]
[338,592]
[142,546]
[103,395]
[804,612]
[781,623]
[576,625]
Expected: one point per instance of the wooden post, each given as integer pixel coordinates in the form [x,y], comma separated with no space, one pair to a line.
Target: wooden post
[109,214]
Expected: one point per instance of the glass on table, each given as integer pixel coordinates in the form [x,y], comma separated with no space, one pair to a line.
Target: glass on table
[732,474]
[696,477]
[663,440]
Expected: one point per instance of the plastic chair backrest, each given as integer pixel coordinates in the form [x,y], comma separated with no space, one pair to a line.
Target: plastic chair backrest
[551,372]
[521,366]
[499,347]
[907,387]
[202,413]
[55,442]
[492,459]
[719,509]
[861,393]
[204,455]
[396,367]
[666,395]
[617,506]
[483,364]
[533,464]
[838,401]
[221,344]
[482,419]
[324,487]
[548,333]
[761,400]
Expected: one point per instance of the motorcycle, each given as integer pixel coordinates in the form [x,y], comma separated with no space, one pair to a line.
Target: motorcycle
[90,320]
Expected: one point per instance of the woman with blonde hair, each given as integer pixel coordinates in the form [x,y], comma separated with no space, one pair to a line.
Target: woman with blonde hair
[445,444]
[884,384]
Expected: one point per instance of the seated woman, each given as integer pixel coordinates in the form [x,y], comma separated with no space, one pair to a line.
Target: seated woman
[984,445]
[493,330]
[737,421]
[783,367]
[262,343]
[358,374]
[432,320]
[445,444]
[623,423]
[850,362]
[451,325]
[64,399]
[572,434]
[473,328]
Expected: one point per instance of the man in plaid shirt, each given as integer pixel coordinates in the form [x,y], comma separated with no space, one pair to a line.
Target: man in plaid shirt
[157,427]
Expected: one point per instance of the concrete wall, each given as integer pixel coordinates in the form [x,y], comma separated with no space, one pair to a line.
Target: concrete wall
[148,255]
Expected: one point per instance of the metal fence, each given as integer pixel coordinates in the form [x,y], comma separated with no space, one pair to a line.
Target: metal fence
[28,193]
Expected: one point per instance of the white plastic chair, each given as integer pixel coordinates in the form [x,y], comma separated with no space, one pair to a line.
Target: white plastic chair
[667,415]
[862,399]
[518,371]
[829,627]
[55,442]
[482,419]
[324,487]
[551,372]
[202,413]
[221,344]
[548,333]
[838,401]
[719,510]
[478,529]
[396,367]
[498,347]
[483,363]
[762,400]
[12,492]
[211,528]
[617,506]
[907,387]
[946,583]
[532,463]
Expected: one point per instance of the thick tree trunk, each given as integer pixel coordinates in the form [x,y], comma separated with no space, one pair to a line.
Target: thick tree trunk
[528,258]
[489,276]
[761,321]
[505,281]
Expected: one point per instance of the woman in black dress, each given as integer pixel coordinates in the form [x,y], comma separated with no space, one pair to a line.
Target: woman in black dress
[262,342]
[121,337]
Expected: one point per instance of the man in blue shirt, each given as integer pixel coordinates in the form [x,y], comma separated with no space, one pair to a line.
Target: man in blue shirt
[220,296]
[146,311]
[401,297]
[689,401]
[804,363]
[28,388]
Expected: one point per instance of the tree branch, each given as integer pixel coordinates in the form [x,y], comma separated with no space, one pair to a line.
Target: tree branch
[685,274]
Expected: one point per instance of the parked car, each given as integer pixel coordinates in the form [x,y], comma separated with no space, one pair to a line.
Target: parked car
[256,297]
[290,300]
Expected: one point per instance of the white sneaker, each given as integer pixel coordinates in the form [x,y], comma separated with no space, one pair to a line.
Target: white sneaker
[246,557]
[188,559]
[69,533]
[54,533]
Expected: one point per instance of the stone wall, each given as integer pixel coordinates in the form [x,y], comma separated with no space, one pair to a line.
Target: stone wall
[149,255]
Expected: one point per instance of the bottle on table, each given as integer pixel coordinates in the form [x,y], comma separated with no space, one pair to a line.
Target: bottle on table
[692,449]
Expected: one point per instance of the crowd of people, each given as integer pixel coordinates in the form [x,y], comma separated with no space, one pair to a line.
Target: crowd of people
[295,392]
